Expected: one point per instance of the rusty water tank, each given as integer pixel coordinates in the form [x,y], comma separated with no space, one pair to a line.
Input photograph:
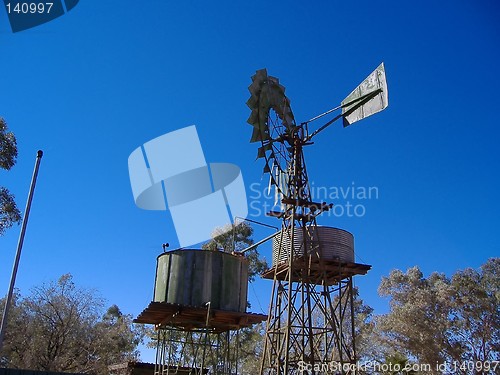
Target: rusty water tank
[327,243]
[195,277]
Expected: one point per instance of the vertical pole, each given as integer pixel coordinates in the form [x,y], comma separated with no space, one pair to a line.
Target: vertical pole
[354,355]
[340,323]
[237,350]
[296,184]
[19,248]
[159,348]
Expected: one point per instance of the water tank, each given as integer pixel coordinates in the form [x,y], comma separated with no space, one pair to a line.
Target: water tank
[327,243]
[195,277]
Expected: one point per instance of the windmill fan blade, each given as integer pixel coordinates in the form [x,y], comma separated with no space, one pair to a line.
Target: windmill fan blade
[370,97]
[261,152]
[267,93]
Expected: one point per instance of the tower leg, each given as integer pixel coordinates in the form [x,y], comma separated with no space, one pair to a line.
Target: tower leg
[196,352]
[310,329]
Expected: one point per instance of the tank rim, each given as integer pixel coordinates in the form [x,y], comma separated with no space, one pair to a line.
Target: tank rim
[185,250]
[328,226]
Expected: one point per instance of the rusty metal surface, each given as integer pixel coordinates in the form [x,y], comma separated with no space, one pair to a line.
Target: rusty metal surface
[190,317]
[197,277]
[317,272]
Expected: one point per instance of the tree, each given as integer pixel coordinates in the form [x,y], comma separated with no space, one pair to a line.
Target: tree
[9,213]
[438,320]
[418,321]
[475,313]
[398,364]
[250,349]
[12,324]
[118,338]
[60,327]
[237,238]
[363,327]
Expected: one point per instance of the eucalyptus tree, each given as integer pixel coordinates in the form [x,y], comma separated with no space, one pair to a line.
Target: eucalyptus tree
[64,328]
[439,320]
[9,213]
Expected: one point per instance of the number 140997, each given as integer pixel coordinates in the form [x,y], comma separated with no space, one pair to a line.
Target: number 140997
[26,8]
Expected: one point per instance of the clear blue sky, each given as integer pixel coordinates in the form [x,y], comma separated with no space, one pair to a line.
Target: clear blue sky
[94,84]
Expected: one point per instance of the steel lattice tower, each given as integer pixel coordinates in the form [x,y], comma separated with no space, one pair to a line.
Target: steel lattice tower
[311,315]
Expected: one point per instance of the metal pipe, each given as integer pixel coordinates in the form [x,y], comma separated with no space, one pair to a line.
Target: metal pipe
[362,100]
[256,222]
[369,94]
[242,219]
[251,247]
[19,248]
[321,115]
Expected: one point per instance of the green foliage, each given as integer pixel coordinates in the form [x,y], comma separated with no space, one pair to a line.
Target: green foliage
[8,147]
[241,349]
[230,238]
[60,327]
[437,319]
[418,321]
[9,213]
[236,238]
[15,317]
[363,326]
[397,364]
[250,349]
[475,313]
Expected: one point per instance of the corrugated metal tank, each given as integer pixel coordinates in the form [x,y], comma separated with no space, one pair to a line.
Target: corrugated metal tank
[335,244]
[195,277]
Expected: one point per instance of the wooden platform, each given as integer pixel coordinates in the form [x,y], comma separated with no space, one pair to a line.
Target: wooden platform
[316,271]
[190,318]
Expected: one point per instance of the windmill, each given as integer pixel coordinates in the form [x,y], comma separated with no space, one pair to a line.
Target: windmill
[311,315]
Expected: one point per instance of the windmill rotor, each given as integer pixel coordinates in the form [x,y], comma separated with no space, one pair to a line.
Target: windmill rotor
[274,123]
[273,126]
